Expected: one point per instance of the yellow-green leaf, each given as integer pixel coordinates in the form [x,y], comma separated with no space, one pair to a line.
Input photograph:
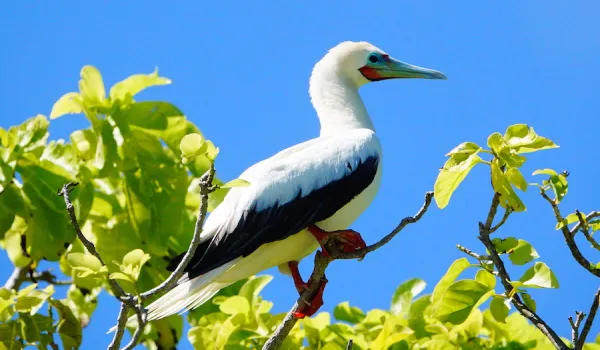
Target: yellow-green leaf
[516,178]
[136,83]
[528,300]
[404,294]
[69,103]
[539,276]
[457,267]
[235,305]
[449,178]
[91,86]
[486,277]
[523,253]
[459,300]
[347,313]
[571,218]
[524,139]
[192,145]
[499,309]
[465,148]
[508,196]
[236,183]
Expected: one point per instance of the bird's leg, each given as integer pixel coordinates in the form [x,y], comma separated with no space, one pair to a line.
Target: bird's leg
[350,240]
[308,308]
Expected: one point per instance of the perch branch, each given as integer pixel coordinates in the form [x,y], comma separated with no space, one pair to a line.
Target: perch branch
[114,286]
[169,283]
[318,273]
[471,253]
[121,321]
[588,322]
[569,236]
[585,228]
[17,277]
[484,237]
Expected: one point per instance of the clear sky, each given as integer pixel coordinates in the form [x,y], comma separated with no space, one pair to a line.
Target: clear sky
[240,72]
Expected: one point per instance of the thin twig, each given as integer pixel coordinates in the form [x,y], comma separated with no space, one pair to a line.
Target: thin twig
[121,321]
[592,215]
[318,274]
[473,254]
[570,239]
[575,326]
[114,286]
[507,213]
[142,320]
[350,344]
[48,277]
[169,283]
[588,322]
[484,237]
[585,228]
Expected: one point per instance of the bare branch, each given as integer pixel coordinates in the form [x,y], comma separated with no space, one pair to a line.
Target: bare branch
[64,192]
[318,273]
[205,188]
[507,213]
[484,237]
[588,322]
[121,321]
[585,228]
[570,238]
[350,344]
[575,326]
[471,253]
[141,319]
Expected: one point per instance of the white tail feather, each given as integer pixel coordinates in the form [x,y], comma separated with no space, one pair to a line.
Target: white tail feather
[185,296]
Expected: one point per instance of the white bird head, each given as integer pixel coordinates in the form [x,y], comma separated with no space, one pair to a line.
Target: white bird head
[363,62]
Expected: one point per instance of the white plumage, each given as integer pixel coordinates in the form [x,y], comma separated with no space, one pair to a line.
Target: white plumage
[327,181]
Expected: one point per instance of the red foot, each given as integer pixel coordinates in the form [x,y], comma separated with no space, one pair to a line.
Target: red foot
[309,307]
[350,239]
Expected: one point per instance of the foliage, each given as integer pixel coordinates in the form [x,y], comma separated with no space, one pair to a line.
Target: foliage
[136,201]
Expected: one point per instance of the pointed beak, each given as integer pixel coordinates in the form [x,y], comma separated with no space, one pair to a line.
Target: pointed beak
[394,69]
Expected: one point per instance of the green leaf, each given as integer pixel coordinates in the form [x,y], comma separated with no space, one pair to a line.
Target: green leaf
[85,143]
[499,309]
[467,148]
[450,177]
[192,145]
[30,300]
[528,300]
[148,115]
[31,133]
[524,139]
[253,287]
[122,277]
[459,300]
[347,313]
[571,218]
[136,257]
[9,333]
[558,182]
[594,225]
[505,245]
[523,253]
[516,178]
[404,294]
[235,305]
[539,276]
[35,327]
[485,277]
[133,84]
[236,183]
[457,267]
[69,327]
[69,103]
[6,175]
[81,260]
[508,196]
[91,87]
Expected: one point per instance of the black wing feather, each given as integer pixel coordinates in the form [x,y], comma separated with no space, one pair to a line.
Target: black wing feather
[280,221]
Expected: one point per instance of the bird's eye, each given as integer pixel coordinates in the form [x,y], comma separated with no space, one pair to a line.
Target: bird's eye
[373,59]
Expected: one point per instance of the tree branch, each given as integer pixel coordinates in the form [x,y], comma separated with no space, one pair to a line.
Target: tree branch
[575,326]
[205,189]
[484,237]
[588,322]
[129,301]
[114,286]
[318,273]
[569,236]
[585,228]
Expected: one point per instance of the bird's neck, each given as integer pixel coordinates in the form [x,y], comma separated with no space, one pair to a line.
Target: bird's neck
[338,103]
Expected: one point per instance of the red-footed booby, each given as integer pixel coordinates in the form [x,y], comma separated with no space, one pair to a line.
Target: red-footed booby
[300,195]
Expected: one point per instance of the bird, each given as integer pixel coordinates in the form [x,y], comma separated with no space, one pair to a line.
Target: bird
[301,196]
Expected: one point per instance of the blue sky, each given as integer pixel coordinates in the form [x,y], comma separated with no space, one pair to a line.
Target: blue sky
[240,72]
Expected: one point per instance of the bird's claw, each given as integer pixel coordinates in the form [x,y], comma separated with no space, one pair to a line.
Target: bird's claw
[349,240]
[309,308]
